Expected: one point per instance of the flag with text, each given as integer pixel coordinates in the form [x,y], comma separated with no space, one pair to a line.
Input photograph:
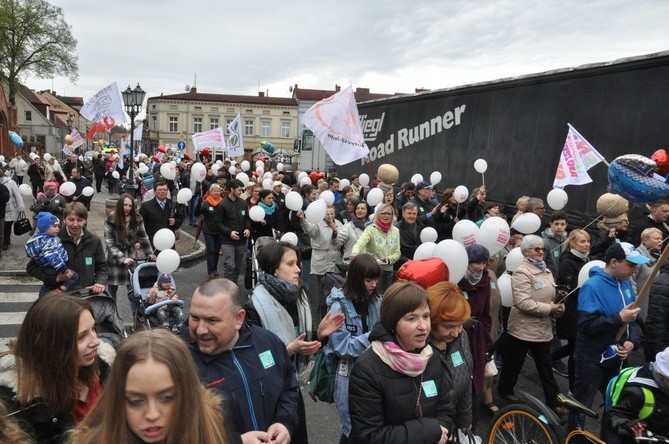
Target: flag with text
[105,103]
[577,157]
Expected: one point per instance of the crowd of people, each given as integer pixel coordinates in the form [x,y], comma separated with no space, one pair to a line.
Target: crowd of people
[415,357]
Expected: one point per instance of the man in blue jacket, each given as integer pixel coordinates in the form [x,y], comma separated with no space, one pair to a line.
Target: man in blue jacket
[605,304]
[248,365]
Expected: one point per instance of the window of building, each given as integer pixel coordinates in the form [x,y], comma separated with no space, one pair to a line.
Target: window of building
[285,129]
[213,123]
[265,128]
[154,120]
[197,124]
[227,123]
[29,116]
[248,127]
[174,124]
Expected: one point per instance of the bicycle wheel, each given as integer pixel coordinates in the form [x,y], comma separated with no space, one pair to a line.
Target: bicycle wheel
[521,424]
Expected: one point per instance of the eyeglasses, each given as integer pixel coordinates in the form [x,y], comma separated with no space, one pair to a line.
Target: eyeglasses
[385,214]
[538,249]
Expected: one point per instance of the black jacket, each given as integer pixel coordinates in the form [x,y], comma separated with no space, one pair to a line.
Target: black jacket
[88,259]
[424,209]
[657,320]
[235,218]
[409,241]
[567,279]
[250,390]
[156,218]
[4,198]
[382,401]
[211,217]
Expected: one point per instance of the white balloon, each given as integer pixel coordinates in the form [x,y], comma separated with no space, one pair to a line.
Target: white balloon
[148,195]
[344,183]
[364,179]
[480,166]
[67,188]
[256,213]
[435,177]
[88,191]
[184,195]
[294,201]
[428,234]
[279,166]
[374,197]
[163,239]
[557,198]
[244,178]
[305,181]
[316,211]
[2,158]
[232,170]
[417,178]
[260,171]
[493,234]
[267,175]
[527,223]
[584,274]
[25,189]
[260,164]
[214,169]
[115,174]
[198,171]
[233,162]
[301,175]
[465,232]
[168,261]
[168,171]
[461,193]
[454,256]
[514,259]
[245,165]
[328,196]
[174,163]
[505,289]
[219,163]
[46,156]
[424,250]
[33,155]
[289,237]
[267,184]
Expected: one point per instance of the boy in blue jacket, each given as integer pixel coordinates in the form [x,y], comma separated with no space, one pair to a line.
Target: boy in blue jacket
[48,251]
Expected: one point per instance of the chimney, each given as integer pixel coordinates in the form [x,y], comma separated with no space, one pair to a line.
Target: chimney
[193,90]
[362,90]
[261,94]
[337,88]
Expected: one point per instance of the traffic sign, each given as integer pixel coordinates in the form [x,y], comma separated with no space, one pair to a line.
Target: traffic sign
[182,136]
[181,145]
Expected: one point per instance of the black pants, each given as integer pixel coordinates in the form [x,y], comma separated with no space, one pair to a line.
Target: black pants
[98,183]
[514,353]
[567,350]
[7,238]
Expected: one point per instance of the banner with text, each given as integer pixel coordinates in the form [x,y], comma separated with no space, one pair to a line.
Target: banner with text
[209,139]
[577,157]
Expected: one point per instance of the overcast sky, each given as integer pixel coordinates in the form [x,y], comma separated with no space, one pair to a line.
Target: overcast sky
[387,46]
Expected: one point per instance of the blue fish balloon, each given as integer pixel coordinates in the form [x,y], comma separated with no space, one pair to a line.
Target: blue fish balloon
[633,177]
[15,139]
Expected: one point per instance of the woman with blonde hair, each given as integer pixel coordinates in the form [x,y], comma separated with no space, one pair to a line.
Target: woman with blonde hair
[153,394]
[381,239]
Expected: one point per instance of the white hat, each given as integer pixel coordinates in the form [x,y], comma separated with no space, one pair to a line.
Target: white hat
[662,362]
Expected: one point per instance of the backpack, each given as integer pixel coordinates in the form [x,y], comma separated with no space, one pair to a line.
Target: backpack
[618,383]
[322,378]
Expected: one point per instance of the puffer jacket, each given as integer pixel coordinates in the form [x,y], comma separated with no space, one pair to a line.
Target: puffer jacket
[657,333]
[383,402]
[347,343]
[458,361]
[47,251]
[15,202]
[533,291]
[570,266]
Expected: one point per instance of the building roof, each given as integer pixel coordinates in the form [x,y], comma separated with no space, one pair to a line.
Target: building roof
[31,96]
[361,94]
[70,101]
[260,99]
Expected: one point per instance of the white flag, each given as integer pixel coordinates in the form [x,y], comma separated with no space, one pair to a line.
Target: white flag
[121,153]
[577,157]
[106,103]
[77,140]
[236,139]
[137,134]
[336,123]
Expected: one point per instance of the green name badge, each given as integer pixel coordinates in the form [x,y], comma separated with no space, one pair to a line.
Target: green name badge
[89,260]
[466,295]
[429,388]
[266,359]
[538,285]
[243,212]
[493,286]
[456,359]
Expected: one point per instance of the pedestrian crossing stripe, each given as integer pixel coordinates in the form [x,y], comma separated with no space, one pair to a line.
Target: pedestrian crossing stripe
[12,318]
[20,280]
[27,298]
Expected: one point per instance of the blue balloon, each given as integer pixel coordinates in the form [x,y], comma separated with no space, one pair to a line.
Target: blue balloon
[633,177]
[15,139]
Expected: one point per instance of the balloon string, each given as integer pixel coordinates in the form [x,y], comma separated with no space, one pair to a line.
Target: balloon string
[483,179]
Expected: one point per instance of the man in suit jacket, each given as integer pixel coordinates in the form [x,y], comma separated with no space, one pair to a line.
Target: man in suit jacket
[159,212]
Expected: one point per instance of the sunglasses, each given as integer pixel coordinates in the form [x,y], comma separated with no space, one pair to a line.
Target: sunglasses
[538,249]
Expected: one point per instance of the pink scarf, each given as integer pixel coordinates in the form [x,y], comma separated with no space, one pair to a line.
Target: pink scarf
[407,363]
[384,227]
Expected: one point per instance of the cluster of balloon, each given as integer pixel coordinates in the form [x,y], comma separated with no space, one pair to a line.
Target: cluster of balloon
[557,198]
[15,139]
[256,213]
[184,195]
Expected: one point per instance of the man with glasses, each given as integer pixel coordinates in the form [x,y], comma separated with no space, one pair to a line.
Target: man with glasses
[423,202]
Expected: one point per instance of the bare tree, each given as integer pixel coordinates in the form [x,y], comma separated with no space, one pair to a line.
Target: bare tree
[35,39]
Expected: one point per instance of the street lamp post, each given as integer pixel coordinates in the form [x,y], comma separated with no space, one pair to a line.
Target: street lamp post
[133,100]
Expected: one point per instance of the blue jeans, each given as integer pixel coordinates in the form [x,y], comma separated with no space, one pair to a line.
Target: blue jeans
[213,245]
[192,205]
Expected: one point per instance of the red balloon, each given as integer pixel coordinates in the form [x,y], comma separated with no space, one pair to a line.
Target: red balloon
[662,159]
[186,156]
[155,159]
[205,152]
[162,149]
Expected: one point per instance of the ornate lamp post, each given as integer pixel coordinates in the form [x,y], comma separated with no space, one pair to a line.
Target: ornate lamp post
[133,100]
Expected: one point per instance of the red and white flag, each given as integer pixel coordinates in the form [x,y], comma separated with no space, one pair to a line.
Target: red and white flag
[577,157]
[77,140]
[102,126]
[336,124]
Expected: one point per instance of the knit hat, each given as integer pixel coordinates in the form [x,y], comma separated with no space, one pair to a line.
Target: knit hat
[662,362]
[50,184]
[164,278]
[477,253]
[46,220]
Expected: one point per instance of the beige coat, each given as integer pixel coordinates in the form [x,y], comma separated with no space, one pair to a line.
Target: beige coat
[533,291]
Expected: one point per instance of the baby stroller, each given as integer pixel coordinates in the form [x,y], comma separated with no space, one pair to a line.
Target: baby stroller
[108,322]
[143,278]
[258,245]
